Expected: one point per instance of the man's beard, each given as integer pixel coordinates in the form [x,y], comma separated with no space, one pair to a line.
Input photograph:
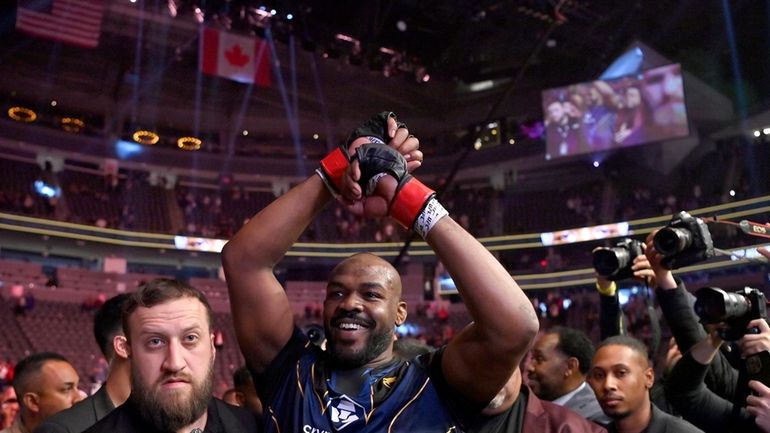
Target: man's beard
[376,344]
[172,411]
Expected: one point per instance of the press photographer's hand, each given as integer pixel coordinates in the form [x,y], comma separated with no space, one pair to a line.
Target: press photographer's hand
[663,277]
[753,343]
[643,269]
[758,404]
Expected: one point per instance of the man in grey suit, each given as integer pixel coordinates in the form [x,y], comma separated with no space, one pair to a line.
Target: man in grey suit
[108,326]
[561,357]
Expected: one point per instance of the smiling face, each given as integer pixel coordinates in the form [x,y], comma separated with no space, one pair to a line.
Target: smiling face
[361,309]
[172,358]
[621,378]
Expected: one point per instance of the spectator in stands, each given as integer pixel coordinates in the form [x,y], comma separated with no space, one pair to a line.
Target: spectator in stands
[169,341]
[45,384]
[363,305]
[557,372]
[621,377]
[508,413]
[6,372]
[108,331]
[245,391]
[9,406]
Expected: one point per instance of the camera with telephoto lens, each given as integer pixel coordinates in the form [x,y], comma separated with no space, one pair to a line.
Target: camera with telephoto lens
[684,241]
[615,263]
[734,309]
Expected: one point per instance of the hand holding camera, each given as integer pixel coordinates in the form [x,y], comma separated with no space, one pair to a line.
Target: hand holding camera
[758,404]
[684,241]
[625,260]
[757,338]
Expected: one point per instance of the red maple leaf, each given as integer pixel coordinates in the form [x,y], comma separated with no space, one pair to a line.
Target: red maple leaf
[236,57]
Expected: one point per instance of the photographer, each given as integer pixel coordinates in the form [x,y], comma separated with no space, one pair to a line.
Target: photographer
[703,382]
[611,321]
[676,303]
[687,391]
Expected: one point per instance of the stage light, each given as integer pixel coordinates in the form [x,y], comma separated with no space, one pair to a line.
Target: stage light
[273,12]
[732,193]
[53,103]
[72,124]
[511,141]
[145,137]
[766,131]
[477,144]
[315,136]
[245,132]
[22,114]
[289,17]
[596,164]
[401,25]
[757,133]
[189,143]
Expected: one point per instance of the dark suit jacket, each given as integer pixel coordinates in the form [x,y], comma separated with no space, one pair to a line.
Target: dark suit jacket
[79,417]
[586,404]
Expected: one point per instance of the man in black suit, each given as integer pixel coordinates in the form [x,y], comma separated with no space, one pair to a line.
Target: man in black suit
[170,343]
[621,377]
[557,372]
[108,326]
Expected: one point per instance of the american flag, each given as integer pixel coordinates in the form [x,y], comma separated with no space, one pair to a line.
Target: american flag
[76,22]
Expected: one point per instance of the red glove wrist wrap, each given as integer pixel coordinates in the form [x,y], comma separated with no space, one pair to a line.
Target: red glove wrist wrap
[409,201]
[333,168]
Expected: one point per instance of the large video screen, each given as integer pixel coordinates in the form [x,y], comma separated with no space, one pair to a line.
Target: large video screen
[627,111]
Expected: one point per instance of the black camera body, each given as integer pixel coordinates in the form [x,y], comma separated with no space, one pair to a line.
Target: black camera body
[615,263]
[684,241]
[735,309]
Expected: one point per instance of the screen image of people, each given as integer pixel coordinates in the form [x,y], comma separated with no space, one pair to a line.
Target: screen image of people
[627,111]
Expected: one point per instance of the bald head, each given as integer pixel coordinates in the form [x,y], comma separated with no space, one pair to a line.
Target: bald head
[362,308]
[367,263]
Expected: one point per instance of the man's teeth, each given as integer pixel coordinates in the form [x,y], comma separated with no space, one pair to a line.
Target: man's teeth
[350,326]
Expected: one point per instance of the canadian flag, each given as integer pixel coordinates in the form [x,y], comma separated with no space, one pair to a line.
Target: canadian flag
[239,58]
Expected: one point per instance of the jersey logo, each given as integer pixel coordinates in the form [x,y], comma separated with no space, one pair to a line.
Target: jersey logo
[344,411]
[389,381]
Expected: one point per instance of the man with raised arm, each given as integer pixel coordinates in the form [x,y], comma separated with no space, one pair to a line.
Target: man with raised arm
[358,384]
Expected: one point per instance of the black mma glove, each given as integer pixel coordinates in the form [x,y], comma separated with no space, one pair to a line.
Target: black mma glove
[414,204]
[333,166]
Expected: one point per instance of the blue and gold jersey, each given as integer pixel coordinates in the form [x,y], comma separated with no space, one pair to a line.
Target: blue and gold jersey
[298,394]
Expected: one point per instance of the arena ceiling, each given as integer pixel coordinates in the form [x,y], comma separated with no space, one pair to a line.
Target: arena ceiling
[144,71]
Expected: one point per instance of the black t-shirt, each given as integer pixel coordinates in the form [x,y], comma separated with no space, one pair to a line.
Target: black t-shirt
[222,418]
[510,421]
